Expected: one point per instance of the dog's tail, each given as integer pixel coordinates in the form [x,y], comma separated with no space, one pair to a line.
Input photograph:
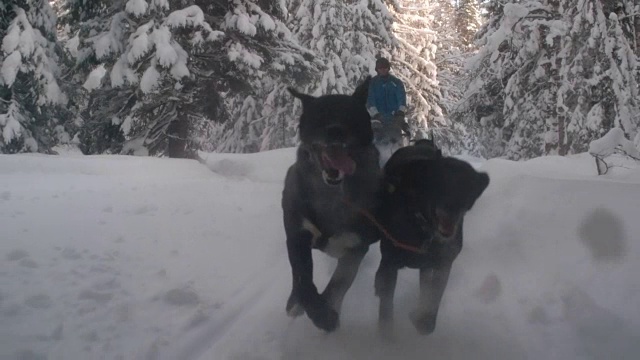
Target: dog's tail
[303,97]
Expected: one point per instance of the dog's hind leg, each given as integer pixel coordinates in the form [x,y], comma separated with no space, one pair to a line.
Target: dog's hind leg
[385,286]
[433,281]
[343,277]
[304,291]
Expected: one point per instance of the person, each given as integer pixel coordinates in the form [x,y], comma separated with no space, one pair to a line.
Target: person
[387,104]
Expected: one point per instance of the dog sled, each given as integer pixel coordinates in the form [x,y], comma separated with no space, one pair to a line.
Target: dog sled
[389,136]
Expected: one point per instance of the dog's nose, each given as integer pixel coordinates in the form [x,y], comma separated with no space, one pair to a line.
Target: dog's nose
[336,134]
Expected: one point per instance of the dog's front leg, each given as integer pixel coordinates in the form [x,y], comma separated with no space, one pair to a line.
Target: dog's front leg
[433,281]
[343,277]
[304,291]
[385,286]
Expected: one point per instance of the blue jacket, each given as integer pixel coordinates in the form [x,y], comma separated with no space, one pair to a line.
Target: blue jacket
[386,96]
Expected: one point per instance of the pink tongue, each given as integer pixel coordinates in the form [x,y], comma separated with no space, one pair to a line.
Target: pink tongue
[340,161]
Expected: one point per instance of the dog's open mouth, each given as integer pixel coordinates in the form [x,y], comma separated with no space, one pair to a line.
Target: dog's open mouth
[336,163]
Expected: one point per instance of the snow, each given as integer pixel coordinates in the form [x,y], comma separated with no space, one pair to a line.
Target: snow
[10,68]
[180,69]
[147,258]
[72,45]
[135,147]
[237,52]
[137,7]
[95,78]
[20,35]
[215,35]
[267,22]
[18,44]
[164,4]
[139,43]
[117,73]
[121,72]
[12,39]
[126,125]
[149,79]
[189,16]
[613,139]
[30,144]
[512,14]
[52,92]
[10,122]
[104,45]
[165,53]
[243,23]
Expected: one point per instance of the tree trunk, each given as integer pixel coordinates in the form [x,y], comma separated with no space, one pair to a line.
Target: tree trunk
[177,132]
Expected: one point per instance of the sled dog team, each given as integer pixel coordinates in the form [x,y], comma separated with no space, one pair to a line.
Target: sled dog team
[338,200]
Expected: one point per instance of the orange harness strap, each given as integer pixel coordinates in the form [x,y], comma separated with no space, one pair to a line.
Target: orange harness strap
[372,219]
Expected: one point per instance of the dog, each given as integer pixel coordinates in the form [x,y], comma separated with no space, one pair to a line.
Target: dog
[422,208]
[335,179]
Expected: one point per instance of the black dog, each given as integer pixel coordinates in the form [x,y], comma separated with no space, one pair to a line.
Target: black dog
[422,212]
[336,177]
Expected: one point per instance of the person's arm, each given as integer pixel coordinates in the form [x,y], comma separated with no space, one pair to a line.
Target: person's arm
[371,99]
[401,96]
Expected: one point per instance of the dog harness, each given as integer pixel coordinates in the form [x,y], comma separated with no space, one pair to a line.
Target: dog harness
[422,221]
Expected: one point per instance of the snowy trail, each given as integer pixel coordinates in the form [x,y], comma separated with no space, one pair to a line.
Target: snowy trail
[489,310]
[129,258]
[264,332]
[218,326]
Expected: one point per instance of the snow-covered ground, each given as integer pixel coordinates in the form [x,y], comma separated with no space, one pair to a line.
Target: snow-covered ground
[113,257]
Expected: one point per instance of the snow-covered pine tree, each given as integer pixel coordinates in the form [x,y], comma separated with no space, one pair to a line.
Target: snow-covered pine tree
[467,21]
[348,36]
[599,73]
[343,38]
[146,71]
[483,99]
[551,77]
[413,63]
[31,116]
[264,58]
[533,122]
[450,54]
[628,12]
[515,81]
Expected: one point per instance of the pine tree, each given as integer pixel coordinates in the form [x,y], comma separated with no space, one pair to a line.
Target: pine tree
[347,36]
[467,21]
[551,77]
[413,63]
[600,72]
[264,59]
[232,95]
[144,63]
[331,48]
[31,116]
[450,56]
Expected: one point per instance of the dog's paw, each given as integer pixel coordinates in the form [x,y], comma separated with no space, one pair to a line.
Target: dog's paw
[294,308]
[425,323]
[325,319]
[322,315]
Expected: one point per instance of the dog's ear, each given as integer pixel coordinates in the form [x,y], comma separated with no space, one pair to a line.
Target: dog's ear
[362,91]
[306,99]
[480,184]
[483,182]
